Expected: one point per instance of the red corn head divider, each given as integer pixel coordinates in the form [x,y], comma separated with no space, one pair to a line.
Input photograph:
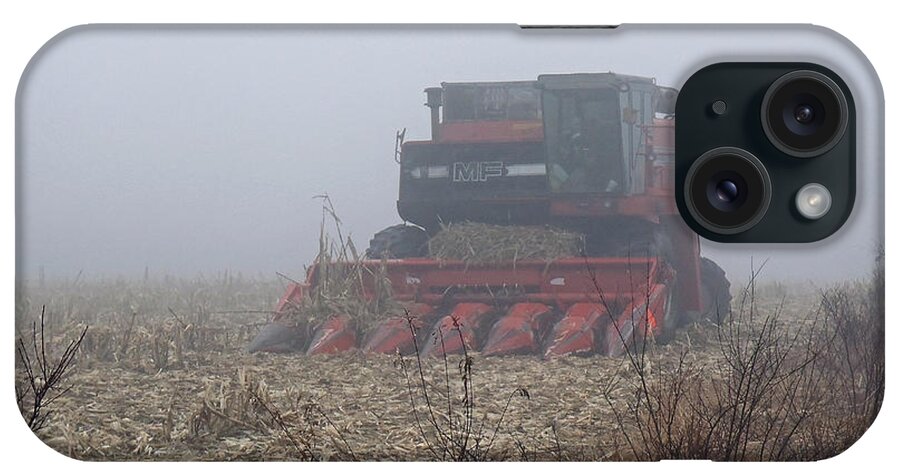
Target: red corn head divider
[576,332]
[457,329]
[394,334]
[520,331]
[333,336]
[636,322]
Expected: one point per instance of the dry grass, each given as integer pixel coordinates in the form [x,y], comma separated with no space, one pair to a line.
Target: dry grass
[244,403]
[445,409]
[779,387]
[151,325]
[41,376]
[201,406]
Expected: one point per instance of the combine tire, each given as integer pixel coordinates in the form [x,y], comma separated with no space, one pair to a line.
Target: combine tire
[398,241]
[715,297]
[714,291]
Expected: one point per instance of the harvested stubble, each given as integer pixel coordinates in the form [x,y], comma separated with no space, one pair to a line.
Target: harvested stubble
[119,411]
[335,407]
[484,243]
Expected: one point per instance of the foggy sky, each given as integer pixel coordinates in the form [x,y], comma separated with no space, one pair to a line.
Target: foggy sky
[200,150]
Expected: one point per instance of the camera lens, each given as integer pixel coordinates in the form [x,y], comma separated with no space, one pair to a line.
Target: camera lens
[727,190]
[804,113]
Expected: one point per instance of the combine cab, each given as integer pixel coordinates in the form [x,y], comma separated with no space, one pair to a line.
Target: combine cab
[591,153]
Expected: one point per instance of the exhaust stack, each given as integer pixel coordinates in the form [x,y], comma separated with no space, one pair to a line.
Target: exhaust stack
[434,101]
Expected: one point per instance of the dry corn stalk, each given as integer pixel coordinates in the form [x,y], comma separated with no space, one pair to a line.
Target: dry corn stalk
[340,276]
[484,243]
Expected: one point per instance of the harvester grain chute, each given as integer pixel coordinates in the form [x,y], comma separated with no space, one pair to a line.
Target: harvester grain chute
[590,154]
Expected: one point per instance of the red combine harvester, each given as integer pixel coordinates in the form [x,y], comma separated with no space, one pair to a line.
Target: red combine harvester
[591,153]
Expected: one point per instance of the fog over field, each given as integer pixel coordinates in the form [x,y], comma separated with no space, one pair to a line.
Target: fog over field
[200,150]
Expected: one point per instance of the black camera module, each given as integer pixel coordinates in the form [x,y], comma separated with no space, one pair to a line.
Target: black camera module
[798,119]
[727,190]
[804,113]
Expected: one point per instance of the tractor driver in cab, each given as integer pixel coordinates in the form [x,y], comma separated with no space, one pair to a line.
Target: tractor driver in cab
[588,155]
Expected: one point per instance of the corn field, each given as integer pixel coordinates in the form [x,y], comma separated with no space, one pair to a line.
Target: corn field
[161,373]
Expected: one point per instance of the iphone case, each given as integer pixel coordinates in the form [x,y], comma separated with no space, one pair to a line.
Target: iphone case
[255,243]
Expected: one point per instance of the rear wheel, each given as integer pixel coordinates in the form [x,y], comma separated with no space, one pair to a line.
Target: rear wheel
[715,291]
[715,299]
[671,319]
[398,241]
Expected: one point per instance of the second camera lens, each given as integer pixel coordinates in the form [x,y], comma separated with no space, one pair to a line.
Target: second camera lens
[804,113]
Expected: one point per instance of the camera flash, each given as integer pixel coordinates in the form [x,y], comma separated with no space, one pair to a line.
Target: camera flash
[813,201]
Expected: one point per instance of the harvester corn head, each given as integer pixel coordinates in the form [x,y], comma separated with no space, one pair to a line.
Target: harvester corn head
[589,153]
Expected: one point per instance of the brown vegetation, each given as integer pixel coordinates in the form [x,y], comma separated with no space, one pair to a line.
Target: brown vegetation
[770,392]
[447,416]
[40,376]
[161,374]
[341,273]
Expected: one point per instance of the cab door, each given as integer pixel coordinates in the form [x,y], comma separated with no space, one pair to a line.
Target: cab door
[583,136]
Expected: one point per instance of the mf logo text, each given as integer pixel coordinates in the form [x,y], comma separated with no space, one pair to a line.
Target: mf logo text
[476,171]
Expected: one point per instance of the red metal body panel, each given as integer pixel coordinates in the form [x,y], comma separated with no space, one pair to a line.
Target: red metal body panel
[492,131]
[561,282]
[661,136]
[650,207]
